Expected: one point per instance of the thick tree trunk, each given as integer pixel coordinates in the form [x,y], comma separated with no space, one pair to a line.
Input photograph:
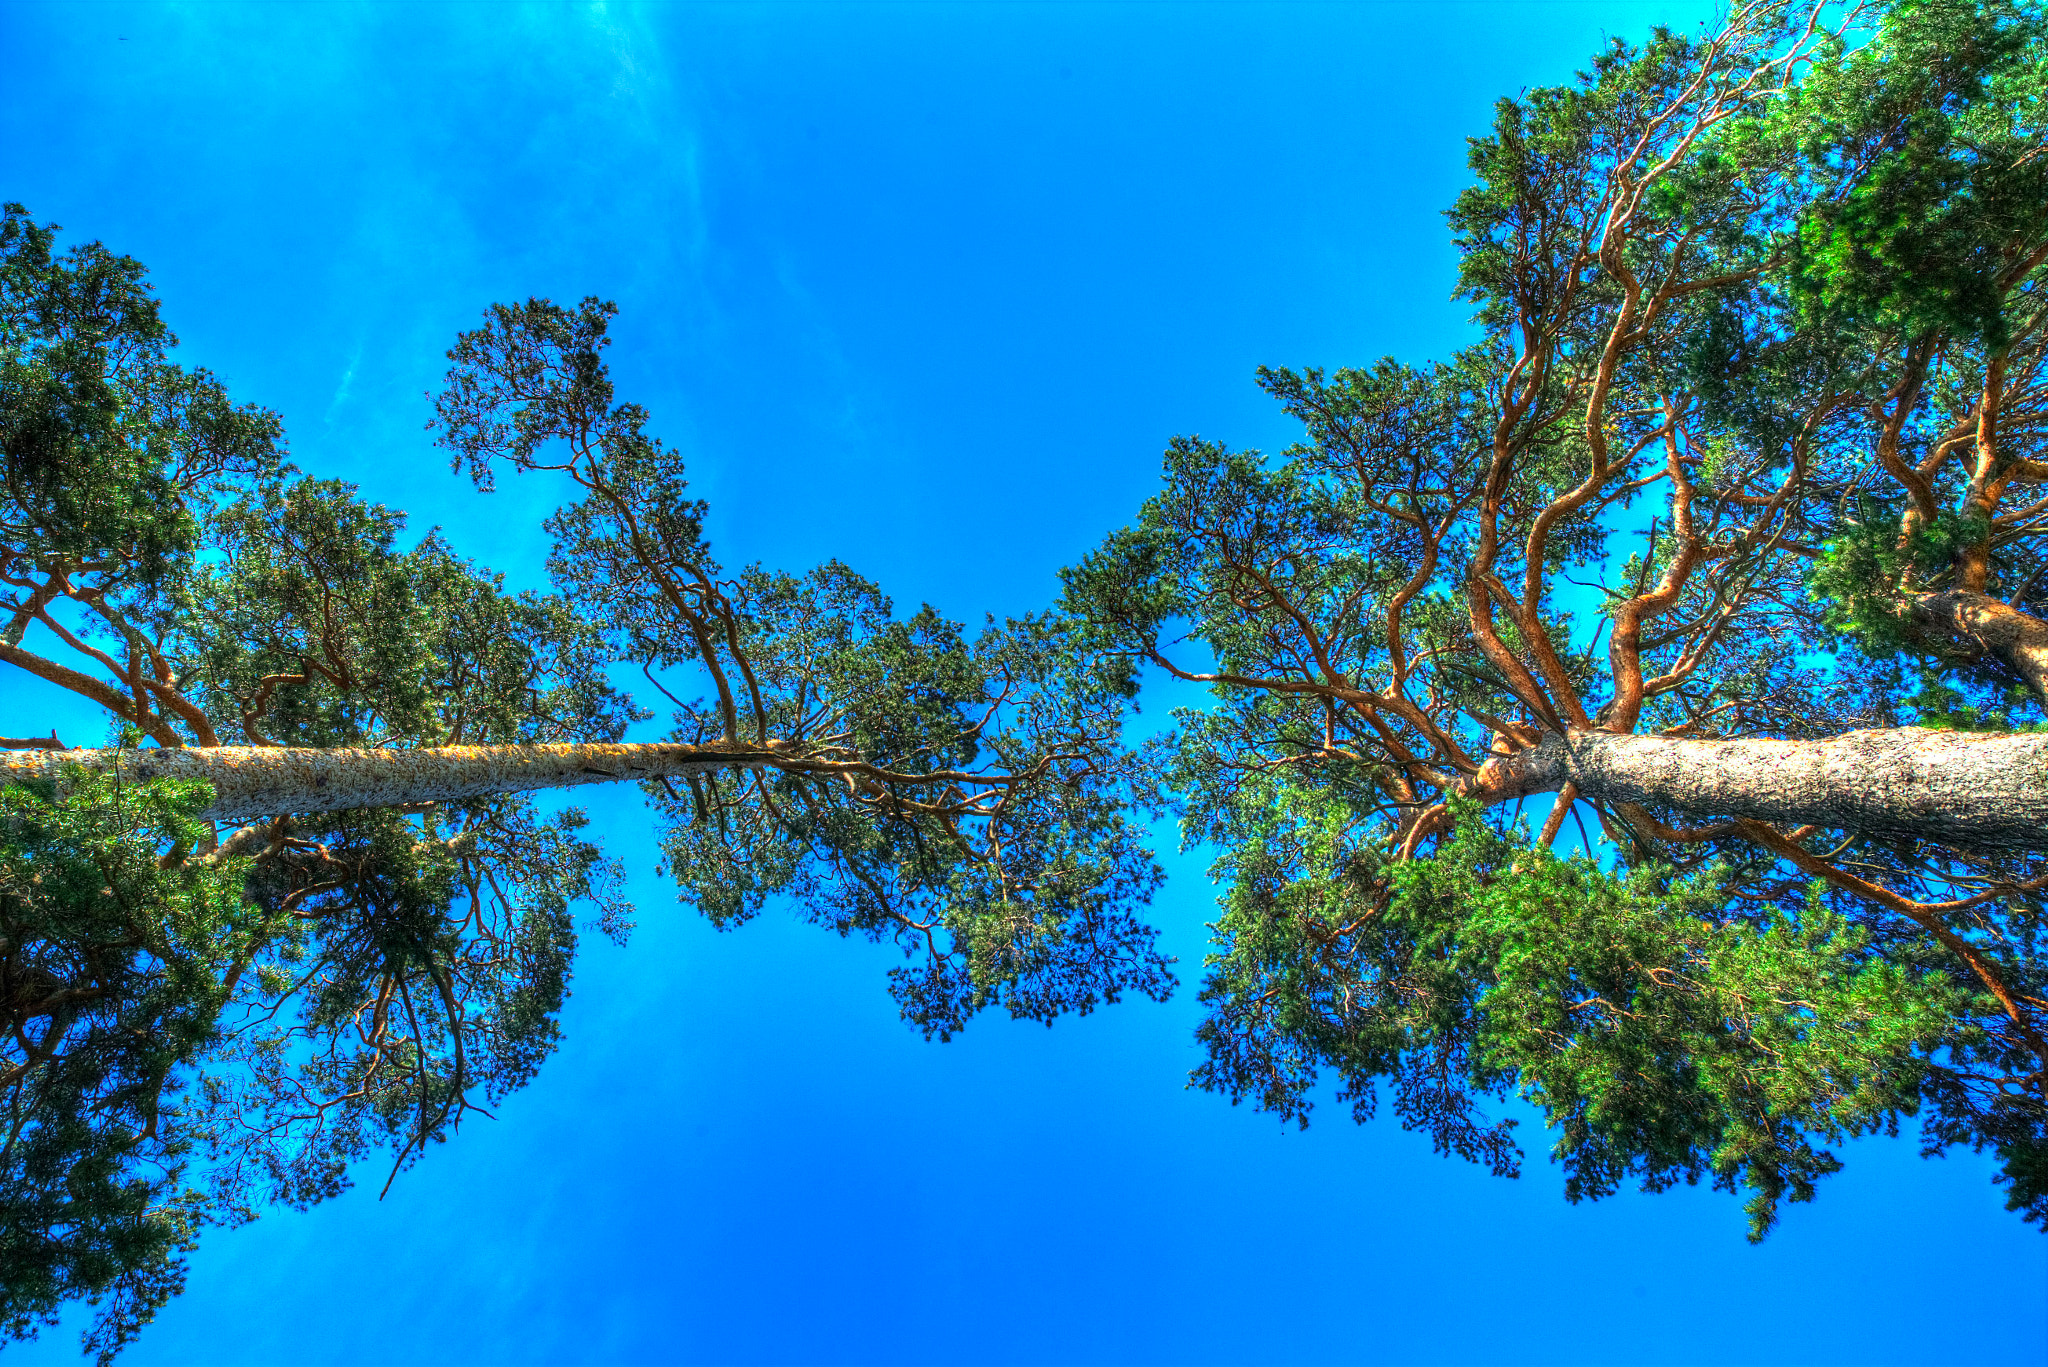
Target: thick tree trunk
[1986,792]
[1978,791]
[260,781]
[1977,626]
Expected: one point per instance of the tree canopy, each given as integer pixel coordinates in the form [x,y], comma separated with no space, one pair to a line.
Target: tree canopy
[1724,536]
[1749,448]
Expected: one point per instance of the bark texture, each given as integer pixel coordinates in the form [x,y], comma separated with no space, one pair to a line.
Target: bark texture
[1979,791]
[1977,625]
[260,781]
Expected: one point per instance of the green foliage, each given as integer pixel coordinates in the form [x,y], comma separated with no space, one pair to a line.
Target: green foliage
[1539,173]
[101,437]
[1857,577]
[216,1034]
[200,1038]
[308,627]
[1857,581]
[1663,1039]
[1926,143]
[965,799]
[1773,272]
[1774,275]
[1941,706]
[116,973]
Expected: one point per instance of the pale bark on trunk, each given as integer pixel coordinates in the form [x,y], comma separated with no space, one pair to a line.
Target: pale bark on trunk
[1977,791]
[261,781]
[1985,792]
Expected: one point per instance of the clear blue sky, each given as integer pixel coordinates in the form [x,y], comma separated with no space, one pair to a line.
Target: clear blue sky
[925,288]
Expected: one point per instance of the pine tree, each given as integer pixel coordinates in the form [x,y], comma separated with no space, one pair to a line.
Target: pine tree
[1725,539]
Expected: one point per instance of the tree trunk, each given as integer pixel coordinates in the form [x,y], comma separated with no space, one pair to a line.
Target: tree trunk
[260,781]
[1986,792]
[1978,791]
[1976,626]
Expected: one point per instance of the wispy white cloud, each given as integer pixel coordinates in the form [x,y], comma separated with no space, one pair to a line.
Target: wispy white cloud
[348,378]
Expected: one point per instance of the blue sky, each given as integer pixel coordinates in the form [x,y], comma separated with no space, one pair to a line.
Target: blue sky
[925,288]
